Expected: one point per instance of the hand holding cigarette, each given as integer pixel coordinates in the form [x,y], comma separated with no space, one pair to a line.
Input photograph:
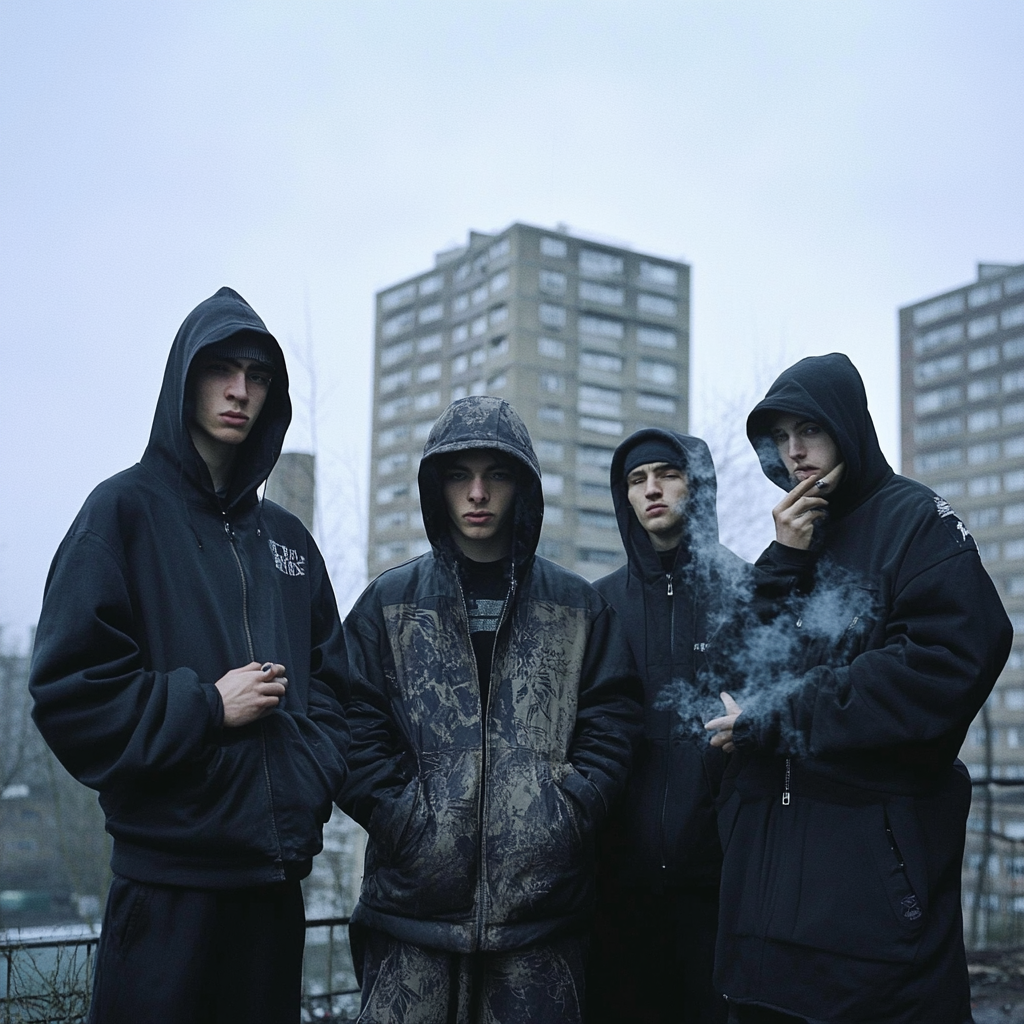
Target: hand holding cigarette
[798,511]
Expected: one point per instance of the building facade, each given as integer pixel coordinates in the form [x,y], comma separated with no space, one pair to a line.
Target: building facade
[962,423]
[587,341]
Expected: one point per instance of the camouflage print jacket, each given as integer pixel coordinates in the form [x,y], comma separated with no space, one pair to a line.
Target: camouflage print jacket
[481,819]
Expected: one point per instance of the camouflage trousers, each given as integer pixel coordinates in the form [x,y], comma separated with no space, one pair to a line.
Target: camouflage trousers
[407,984]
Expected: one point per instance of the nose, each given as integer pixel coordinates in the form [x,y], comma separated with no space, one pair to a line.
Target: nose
[477,490]
[796,446]
[237,387]
[653,487]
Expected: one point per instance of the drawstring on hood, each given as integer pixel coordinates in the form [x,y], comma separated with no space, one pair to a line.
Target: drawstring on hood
[482,422]
[828,390]
[170,452]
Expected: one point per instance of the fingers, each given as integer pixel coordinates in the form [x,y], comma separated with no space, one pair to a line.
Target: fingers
[831,479]
[731,706]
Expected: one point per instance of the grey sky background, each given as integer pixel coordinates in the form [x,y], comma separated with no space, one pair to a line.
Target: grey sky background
[818,164]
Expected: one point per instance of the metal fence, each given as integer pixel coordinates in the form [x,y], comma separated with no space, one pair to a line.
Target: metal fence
[47,978]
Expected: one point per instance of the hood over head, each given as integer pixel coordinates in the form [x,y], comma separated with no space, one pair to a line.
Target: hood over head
[481,421]
[170,452]
[693,456]
[829,390]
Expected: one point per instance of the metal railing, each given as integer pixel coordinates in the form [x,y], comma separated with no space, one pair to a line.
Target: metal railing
[47,978]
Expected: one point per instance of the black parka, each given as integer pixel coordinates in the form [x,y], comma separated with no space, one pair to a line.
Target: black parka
[481,819]
[161,587]
[844,808]
[665,831]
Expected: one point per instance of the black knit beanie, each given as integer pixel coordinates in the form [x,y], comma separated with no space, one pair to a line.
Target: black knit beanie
[652,450]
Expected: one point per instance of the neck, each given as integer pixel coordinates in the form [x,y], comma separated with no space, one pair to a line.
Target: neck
[219,457]
[666,541]
[490,550]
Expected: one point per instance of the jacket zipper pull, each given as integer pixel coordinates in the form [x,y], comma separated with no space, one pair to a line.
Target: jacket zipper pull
[670,590]
[785,788]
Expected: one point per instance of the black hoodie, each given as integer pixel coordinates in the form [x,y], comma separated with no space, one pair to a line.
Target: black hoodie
[481,815]
[161,587]
[844,808]
[665,831]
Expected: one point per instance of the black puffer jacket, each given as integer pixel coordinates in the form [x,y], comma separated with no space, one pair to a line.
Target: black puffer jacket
[482,819]
[844,808]
[665,832]
[159,589]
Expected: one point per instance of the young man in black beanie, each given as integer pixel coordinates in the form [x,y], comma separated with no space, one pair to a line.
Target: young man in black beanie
[186,666]
[652,954]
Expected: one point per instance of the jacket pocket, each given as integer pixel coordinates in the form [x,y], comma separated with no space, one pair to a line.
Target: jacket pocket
[392,821]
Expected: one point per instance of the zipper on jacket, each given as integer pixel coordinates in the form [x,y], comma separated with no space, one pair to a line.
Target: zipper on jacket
[786,781]
[670,593]
[252,657]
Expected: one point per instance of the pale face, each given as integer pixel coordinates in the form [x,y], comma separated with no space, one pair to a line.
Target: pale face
[227,397]
[479,489]
[806,450]
[658,493]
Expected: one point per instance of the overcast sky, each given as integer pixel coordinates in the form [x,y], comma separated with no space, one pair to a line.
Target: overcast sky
[818,164]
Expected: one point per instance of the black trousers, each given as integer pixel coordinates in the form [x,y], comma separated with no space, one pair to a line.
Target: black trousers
[652,957]
[199,956]
[759,1015]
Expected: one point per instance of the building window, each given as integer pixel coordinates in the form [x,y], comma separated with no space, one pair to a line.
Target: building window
[938,460]
[478,357]
[460,364]
[1013,515]
[925,373]
[933,430]
[600,361]
[939,338]
[1013,550]
[656,337]
[1014,348]
[979,453]
[431,285]
[602,327]
[478,326]
[497,382]
[658,275]
[599,264]
[393,435]
[988,550]
[550,549]
[597,520]
[1013,448]
[939,308]
[984,294]
[982,358]
[499,281]
[656,372]
[551,348]
[656,403]
[983,485]
[553,382]
[390,463]
[459,391]
[1013,285]
[421,431]
[550,451]
[949,488]
[1013,481]
[554,515]
[428,400]
[591,291]
[656,304]
[981,326]
[395,353]
[552,483]
[600,556]
[1012,317]
[588,489]
[398,297]
[1013,414]
[500,248]
[552,316]
[979,390]
[599,401]
[479,294]
[497,316]
[428,372]
[499,346]
[389,410]
[463,271]
[392,521]
[478,387]
[1015,588]
[987,419]
[431,343]
[551,414]
[983,517]
[460,303]
[555,247]
[553,282]
[589,456]
[428,314]
[1013,381]
[391,493]
[460,334]
[391,552]
[600,426]
[396,324]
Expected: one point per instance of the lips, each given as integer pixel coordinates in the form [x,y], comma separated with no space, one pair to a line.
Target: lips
[234,419]
[656,509]
[478,518]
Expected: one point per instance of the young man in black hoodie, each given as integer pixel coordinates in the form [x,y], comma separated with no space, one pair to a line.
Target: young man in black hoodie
[494,707]
[652,955]
[877,638]
[186,666]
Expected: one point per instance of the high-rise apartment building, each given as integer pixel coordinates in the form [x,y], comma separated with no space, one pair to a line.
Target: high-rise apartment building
[587,341]
[962,420]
